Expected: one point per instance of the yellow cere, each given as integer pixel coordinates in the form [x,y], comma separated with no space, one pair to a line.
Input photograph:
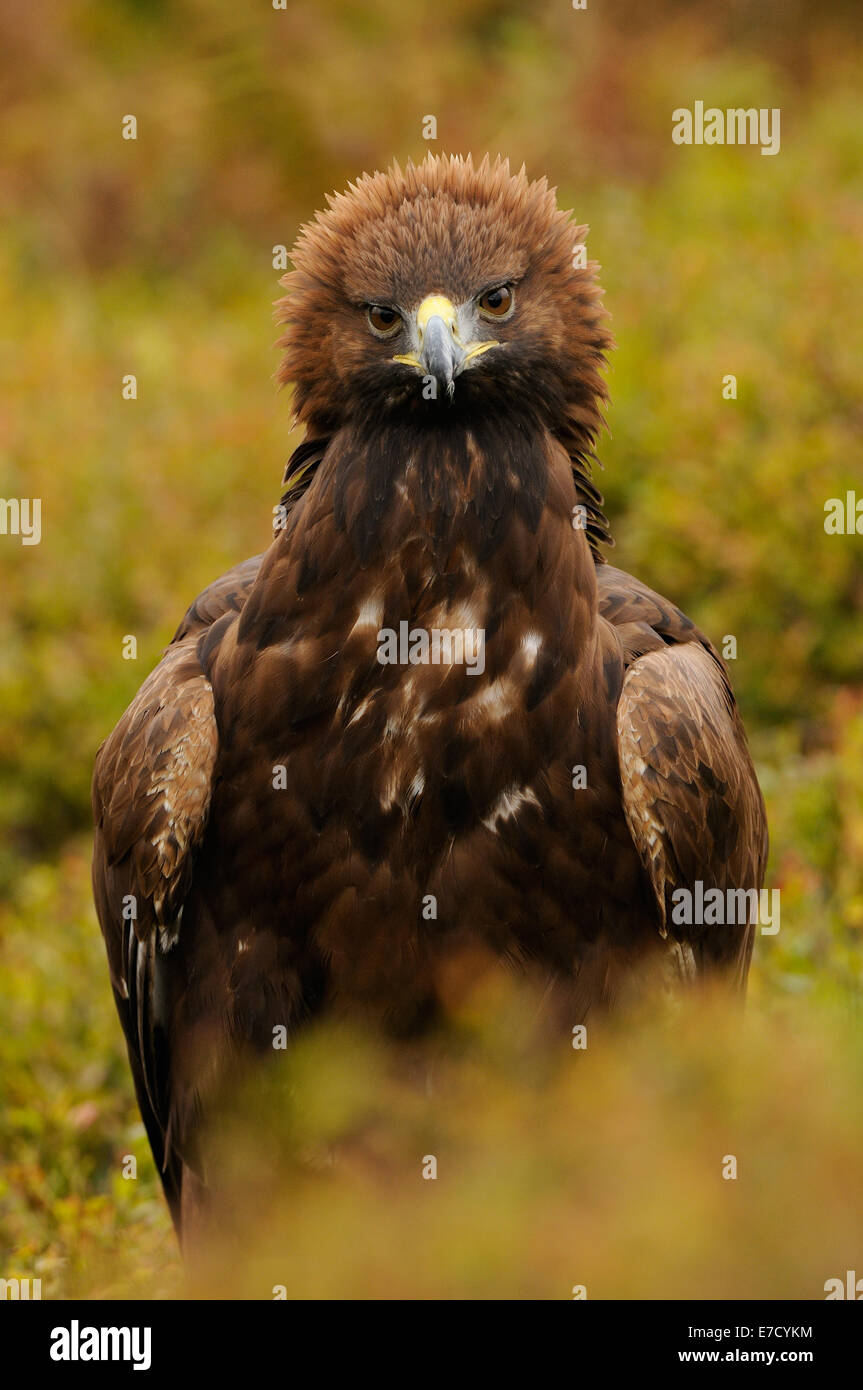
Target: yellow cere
[436,304]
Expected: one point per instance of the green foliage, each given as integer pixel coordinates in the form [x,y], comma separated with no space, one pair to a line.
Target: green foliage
[555,1167]
[154,257]
[601,1167]
[67,1216]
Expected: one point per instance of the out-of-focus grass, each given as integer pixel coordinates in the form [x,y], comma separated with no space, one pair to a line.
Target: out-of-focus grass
[601,1168]
[154,258]
[67,1215]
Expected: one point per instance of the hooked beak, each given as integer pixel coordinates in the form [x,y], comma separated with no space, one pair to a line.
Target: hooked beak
[440,352]
[441,355]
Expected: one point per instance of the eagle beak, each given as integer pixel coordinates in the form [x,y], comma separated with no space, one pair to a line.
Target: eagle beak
[441,354]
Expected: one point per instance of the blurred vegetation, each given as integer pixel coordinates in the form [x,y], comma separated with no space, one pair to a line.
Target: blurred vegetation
[600,1168]
[154,257]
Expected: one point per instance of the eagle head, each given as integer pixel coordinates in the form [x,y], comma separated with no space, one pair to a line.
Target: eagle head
[444,287]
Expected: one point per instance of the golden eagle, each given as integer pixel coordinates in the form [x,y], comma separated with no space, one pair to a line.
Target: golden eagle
[430,719]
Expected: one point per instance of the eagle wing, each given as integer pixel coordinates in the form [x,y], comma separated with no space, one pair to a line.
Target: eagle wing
[691,797]
[151,794]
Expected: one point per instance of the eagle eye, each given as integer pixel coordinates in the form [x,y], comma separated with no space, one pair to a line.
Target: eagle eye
[383,321]
[497,303]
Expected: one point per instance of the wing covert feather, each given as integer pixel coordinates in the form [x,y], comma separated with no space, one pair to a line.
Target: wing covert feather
[691,797]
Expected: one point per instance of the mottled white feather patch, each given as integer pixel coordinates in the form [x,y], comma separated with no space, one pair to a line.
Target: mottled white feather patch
[531,643]
[508,804]
[371,612]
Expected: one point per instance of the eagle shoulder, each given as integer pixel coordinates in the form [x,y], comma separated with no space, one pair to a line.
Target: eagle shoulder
[690,794]
[152,780]
[151,795]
